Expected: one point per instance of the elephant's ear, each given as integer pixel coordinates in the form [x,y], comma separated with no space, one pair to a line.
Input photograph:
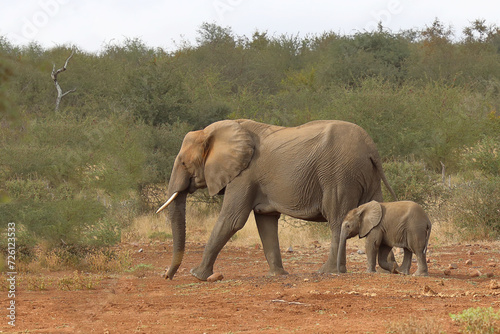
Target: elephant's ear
[228,152]
[371,215]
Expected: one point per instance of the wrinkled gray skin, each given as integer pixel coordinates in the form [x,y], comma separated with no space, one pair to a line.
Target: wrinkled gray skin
[385,225]
[318,172]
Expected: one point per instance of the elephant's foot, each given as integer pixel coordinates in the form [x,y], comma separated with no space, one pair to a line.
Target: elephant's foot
[404,271]
[421,273]
[331,269]
[201,274]
[278,272]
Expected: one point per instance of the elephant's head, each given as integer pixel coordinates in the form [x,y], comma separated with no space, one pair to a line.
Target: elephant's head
[358,221]
[209,158]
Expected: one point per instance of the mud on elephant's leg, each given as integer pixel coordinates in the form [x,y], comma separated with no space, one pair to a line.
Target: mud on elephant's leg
[268,232]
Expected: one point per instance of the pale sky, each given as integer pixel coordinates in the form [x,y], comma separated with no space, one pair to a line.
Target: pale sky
[90,24]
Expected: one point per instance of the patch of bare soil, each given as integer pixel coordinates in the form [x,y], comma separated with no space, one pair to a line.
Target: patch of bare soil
[247,300]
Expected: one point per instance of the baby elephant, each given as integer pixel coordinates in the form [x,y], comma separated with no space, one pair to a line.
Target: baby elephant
[385,225]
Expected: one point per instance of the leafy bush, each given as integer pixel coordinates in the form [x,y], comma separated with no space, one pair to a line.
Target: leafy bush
[412,181]
[478,320]
[483,156]
[476,209]
[72,180]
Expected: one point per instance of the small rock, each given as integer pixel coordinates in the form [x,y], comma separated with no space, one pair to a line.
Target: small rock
[215,277]
[428,260]
[360,251]
[494,284]
[306,279]
[468,262]
[428,291]
[452,266]
[475,273]
[289,250]
[489,275]
[492,264]
[140,250]
[470,252]
[447,272]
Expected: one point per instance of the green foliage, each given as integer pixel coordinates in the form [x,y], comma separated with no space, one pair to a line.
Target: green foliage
[78,176]
[412,181]
[483,156]
[476,208]
[478,320]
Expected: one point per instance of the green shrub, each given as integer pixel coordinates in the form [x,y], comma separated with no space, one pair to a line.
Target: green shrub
[55,222]
[478,320]
[483,156]
[475,206]
[412,181]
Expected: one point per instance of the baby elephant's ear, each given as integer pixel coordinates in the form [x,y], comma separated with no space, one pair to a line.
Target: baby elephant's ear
[370,216]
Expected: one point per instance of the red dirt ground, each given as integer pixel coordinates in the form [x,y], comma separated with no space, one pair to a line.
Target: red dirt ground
[249,301]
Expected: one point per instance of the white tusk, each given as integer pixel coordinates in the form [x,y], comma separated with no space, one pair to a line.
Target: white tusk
[168,202]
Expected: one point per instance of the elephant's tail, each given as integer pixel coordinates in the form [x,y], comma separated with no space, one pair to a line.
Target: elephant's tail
[429,228]
[378,166]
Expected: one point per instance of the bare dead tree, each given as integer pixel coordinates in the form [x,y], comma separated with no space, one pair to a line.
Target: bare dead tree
[54,75]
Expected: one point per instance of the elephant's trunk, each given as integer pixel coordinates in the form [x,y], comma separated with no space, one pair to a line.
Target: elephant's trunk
[341,254]
[177,216]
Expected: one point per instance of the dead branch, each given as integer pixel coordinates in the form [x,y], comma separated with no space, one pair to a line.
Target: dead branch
[54,75]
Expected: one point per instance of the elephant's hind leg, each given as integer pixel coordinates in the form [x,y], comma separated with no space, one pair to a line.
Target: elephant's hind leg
[422,264]
[405,266]
[268,231]
[386,258]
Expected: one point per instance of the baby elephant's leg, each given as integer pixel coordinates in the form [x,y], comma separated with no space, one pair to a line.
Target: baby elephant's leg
[405,266]
[386,258]
[422,264]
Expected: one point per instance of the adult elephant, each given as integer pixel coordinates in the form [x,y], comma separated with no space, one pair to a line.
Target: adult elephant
[317,171]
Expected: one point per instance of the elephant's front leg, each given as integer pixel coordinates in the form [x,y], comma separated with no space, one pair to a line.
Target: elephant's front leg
[371,248]
[229,222]
[330,266]
[268,231]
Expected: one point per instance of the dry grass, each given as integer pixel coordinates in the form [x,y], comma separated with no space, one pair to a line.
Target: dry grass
[201,218]
[415,326]
[96,260]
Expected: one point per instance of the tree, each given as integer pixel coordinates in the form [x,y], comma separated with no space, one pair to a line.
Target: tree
[54,75]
